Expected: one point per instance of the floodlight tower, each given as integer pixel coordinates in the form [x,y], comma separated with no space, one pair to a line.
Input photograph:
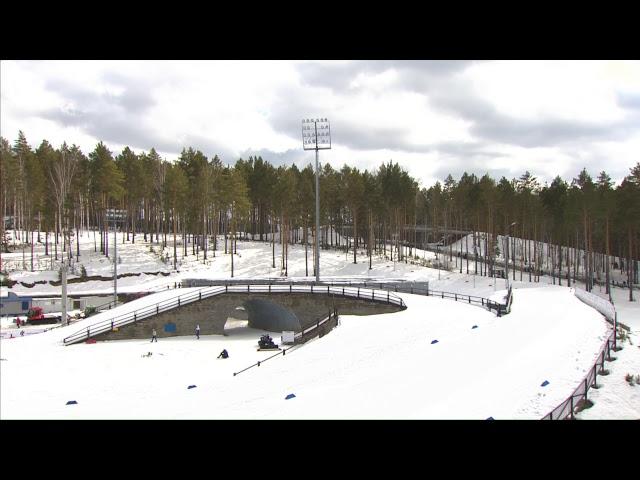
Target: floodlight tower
[316,135]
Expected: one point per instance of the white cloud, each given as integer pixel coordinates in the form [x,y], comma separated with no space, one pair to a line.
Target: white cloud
[504,117]
[547,90]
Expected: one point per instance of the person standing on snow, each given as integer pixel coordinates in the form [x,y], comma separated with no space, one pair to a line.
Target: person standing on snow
[154,336]
[198,331]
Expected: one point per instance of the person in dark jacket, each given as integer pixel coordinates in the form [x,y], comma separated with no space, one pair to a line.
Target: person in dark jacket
[224,354]
[154,336]
[198,331]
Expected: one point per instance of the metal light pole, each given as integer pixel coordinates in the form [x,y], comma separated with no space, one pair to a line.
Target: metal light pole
[115,263]
[316,135]
[113,214]
[63,318]
[506,257]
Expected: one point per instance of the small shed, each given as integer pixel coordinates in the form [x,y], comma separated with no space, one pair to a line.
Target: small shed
[13,304]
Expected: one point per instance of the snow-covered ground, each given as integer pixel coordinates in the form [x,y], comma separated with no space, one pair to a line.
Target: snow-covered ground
[381,366]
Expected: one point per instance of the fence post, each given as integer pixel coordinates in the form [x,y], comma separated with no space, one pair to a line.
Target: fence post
[290,285]
[157,309]
[358,292]
[134,317]
[248,288]
[387,296]
[199,295]
[427,289]
[226,288]
[572,407]
[178,301]
[88,334]
[373,294]
[111,324]
[327,289]
[456,295]
[312,288]
[586,386]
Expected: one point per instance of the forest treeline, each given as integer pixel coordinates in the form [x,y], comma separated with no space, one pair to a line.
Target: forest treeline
[47,191]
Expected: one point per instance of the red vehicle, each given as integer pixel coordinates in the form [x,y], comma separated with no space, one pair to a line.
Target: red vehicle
[35,316]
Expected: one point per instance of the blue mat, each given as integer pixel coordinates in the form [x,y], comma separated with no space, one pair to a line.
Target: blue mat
[544,384]
[72,402]
[434,341]
[475,326]
[291,395]
[191,386]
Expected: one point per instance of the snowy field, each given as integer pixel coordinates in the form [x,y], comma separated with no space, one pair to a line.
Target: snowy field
[381,366]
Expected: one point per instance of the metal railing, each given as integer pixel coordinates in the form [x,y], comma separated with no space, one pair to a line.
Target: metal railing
[567,408]
[183,299]
[398,287]
[298,336]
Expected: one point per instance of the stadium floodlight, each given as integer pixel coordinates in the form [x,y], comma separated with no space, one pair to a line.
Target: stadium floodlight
[316,135]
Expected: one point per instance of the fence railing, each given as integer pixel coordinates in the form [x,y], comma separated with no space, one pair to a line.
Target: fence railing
[567,408]
[183,299]
[398,287]
[298,336]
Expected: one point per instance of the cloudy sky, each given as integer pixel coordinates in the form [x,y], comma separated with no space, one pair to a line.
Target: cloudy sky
[433,117]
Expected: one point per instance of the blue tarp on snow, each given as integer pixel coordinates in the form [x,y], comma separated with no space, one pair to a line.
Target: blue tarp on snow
[291,395]
[545,383]
[72,402]
[434,341]
[191,386]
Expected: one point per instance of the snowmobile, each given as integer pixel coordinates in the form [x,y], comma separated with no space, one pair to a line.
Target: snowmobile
[266,343]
